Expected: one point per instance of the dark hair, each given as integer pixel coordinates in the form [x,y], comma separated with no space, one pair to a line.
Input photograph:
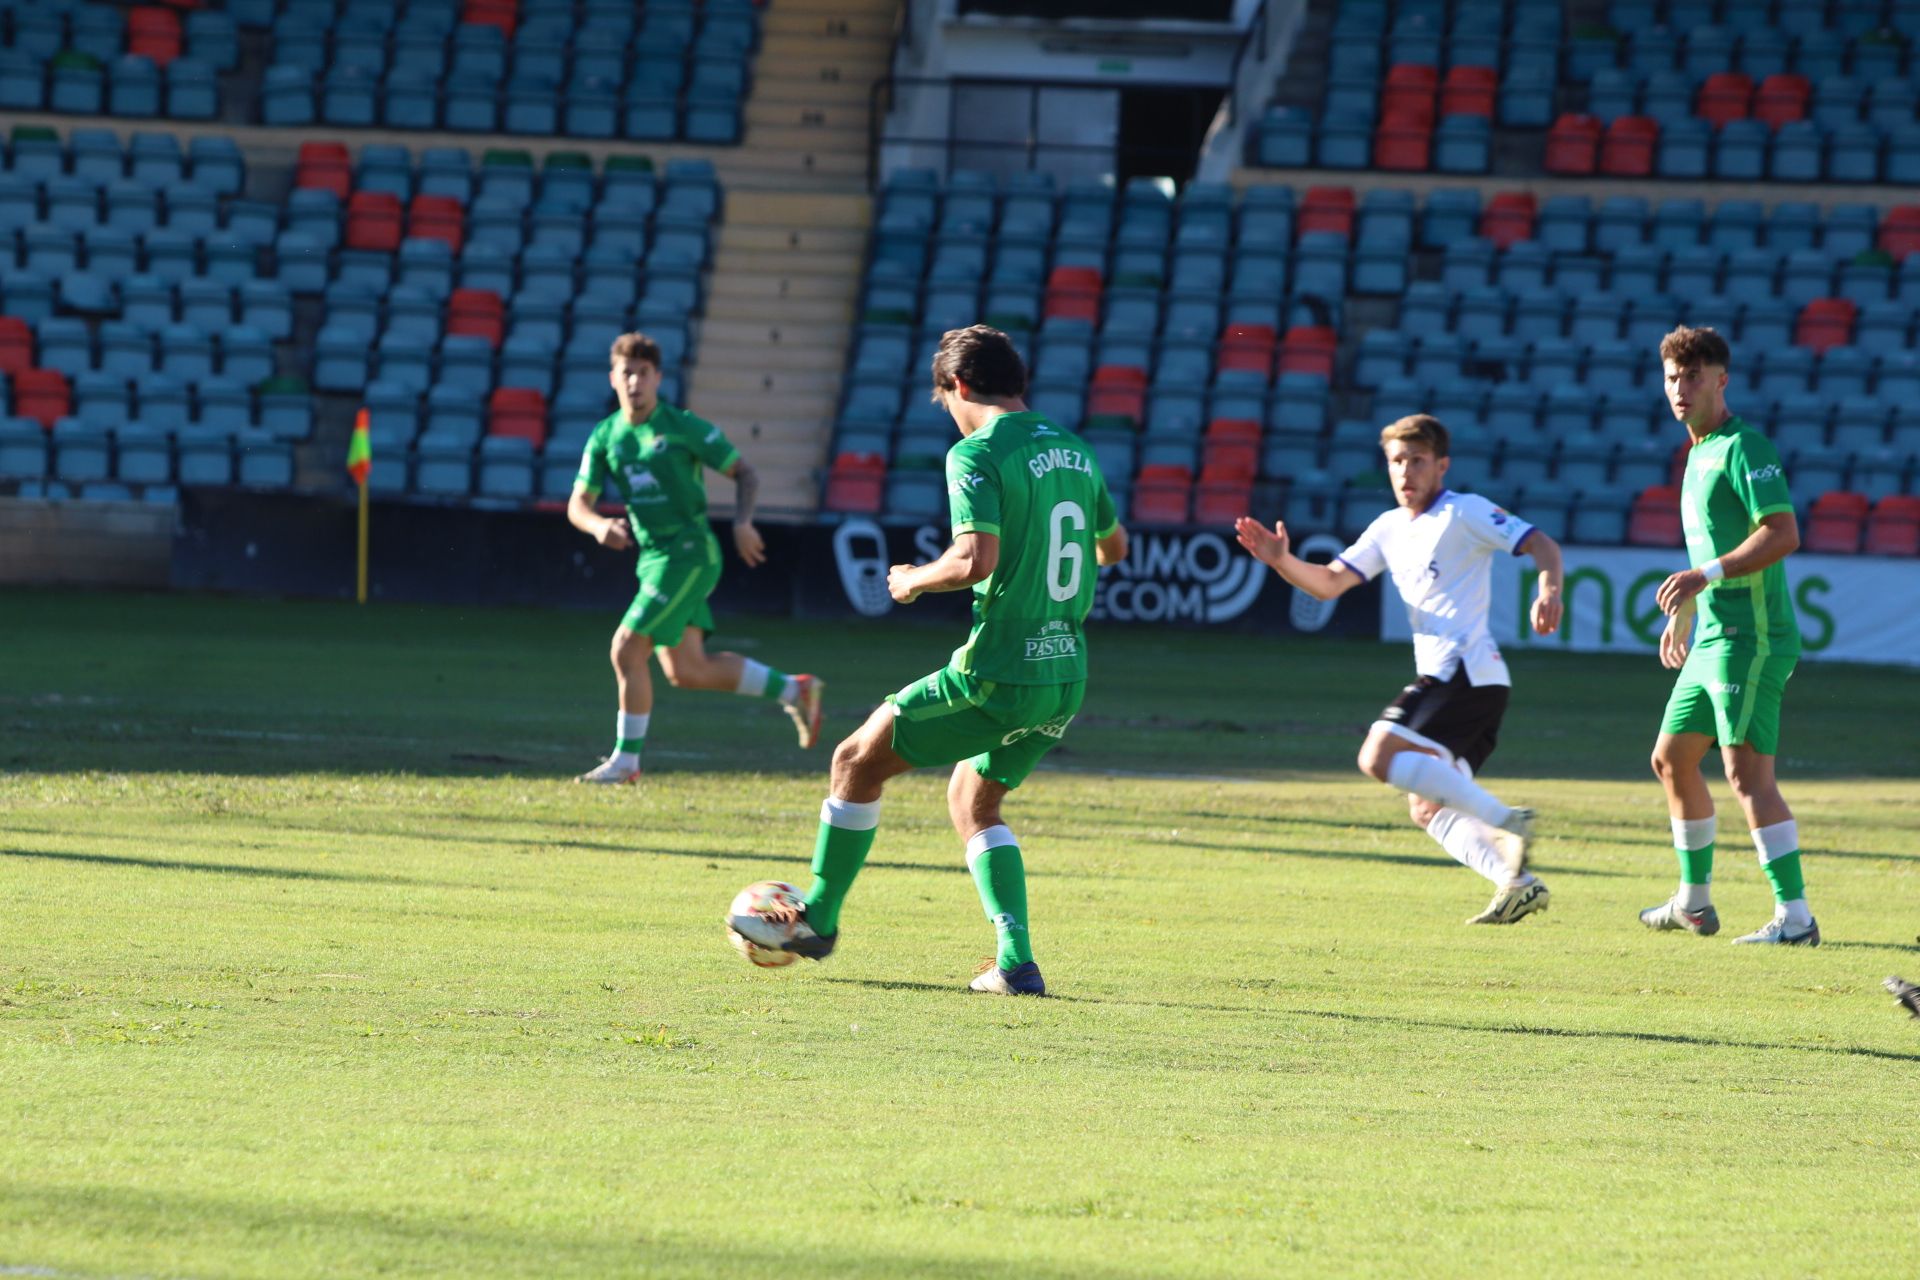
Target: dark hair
[1690,347]
[982,357]
[636,346]
[1417,428]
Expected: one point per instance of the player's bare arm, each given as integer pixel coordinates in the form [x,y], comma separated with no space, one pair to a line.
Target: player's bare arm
[746,501]
[1271,548]
[1111,549]
[972,558]
[608,531]
[1545,552]
[1677,639]
[1776,537]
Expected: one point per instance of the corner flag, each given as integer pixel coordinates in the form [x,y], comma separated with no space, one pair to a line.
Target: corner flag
[360,451]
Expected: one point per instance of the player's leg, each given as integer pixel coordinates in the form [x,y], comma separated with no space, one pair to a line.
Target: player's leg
[1749,748]
[1406,748]
[634,683]
[1028,721]
[688,665]
[1495,854]
[1687,730]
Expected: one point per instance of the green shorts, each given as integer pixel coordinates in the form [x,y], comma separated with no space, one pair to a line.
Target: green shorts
[673,595]
[1002,730]
[1733,695]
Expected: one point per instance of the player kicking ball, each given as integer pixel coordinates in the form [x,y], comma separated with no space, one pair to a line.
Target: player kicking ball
[1437,735]
[1031,517]
[651,454]
[1734,665]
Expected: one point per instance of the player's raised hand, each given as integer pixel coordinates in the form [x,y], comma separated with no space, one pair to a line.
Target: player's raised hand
[751,546]
[898,585]
[1546,614]
[616,533]
[1678,589]
[1268,548]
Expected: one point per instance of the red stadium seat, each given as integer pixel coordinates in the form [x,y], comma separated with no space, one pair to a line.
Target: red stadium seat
[1327,209]
[373,221]
[856,482]
[437,218]
[1232,444]
[1900,231]
[503,14]
[1073,293]
[1724,96]
[476,313]
[1409,91]
[1129,403]
[1309,349]
[1781,98]
[43,395]
[1224,493]
[1403,143]
[1508,218]
[324,165]
[1825,323]
[1246,359]
[1627,150]
[1893,529]
[16,345]
[1655,518]
[1468,91]
[1573,145]
[1161,494]
[518,411]
[1835,523]
[153,33]
[1129,376]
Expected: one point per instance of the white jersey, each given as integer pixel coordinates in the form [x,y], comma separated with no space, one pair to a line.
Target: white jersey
[1440,562]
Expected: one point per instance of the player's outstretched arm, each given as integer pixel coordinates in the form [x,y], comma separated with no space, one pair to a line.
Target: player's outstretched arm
[746,502]
[1321,581]
[1545,614]
[608,531]
[972,558]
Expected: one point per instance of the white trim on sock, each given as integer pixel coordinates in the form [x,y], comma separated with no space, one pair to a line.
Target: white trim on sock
[850,815]
[1776,841]
[1694,833]
[1434,779]
[753,679]
[632,726]
[991,838]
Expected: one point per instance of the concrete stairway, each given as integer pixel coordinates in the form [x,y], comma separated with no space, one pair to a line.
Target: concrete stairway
[787,263]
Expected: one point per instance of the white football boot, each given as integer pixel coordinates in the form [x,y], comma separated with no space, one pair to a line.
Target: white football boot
[610,772]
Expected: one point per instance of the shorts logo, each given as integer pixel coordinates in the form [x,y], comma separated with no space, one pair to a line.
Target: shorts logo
[1724,687]
[1055,729]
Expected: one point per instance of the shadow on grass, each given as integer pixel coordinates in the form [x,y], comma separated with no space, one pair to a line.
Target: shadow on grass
[1906,948]
[216,868]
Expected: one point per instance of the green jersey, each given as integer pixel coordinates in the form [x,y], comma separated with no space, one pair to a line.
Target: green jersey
[1039,490]
[1733,479]
[654,467]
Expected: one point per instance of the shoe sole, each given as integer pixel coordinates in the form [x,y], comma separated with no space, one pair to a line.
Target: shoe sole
[807,718]
[1527,905]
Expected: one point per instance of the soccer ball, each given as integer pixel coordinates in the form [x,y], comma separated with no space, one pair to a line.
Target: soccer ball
[754,901]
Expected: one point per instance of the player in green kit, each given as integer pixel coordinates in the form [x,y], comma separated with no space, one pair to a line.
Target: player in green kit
[1031,517]
[650,454]
[1734,665]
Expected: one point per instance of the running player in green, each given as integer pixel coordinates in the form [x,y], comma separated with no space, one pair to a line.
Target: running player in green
[1734,667]
[1031,516]
[651,454]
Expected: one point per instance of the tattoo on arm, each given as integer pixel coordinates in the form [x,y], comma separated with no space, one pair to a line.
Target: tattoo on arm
[747,497]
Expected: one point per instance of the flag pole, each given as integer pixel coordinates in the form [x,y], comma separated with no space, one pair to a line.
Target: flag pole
[360,579]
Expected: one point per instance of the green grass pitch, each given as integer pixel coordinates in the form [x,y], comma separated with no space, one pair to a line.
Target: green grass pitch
[315,965]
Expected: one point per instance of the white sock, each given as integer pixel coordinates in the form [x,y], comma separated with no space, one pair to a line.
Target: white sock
[850,815]
[633,727]
[1432,778]
[1470,843]
[626,760]
[753,679]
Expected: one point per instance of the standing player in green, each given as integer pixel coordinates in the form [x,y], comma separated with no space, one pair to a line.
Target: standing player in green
[651,454]
[1031,516]
[1733,669]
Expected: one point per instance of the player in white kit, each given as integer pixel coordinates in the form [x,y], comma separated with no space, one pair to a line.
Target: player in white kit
[1438,733]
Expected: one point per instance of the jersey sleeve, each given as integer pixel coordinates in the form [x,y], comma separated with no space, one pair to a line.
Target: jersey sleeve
[1754,470]
[1492,526]
[710,444]
[593,465]
[1106,518]
[1366,557]
[973,491]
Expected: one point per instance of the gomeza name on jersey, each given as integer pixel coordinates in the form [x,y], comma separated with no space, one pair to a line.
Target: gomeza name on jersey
[1051,459]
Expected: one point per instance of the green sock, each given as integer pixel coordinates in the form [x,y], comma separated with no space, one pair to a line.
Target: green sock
[1788,882]
[1696,865]
[1001,877]
[846,834]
